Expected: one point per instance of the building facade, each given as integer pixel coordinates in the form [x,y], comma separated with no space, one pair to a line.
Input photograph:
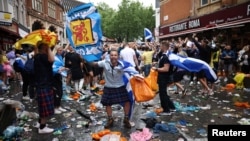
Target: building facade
[229,18]
[13,25]
[49,12]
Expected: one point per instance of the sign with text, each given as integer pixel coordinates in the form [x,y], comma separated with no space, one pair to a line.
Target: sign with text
[225,16]
[5,18]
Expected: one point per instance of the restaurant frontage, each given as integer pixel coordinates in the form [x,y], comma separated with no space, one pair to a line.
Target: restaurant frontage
[233,24]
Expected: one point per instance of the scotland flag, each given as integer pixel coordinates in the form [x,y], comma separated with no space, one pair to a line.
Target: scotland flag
[83,28]
[192,65]
[148,34]
[129,72]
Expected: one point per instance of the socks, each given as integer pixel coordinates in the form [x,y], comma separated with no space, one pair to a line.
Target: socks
[42,126]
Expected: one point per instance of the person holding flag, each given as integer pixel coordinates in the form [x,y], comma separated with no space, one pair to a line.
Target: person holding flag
[115,91]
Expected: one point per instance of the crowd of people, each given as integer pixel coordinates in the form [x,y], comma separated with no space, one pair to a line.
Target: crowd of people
[51,65]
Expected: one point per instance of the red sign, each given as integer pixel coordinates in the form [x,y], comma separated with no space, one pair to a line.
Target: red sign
[217,19]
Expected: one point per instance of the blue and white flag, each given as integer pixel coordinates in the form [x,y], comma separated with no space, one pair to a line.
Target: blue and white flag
[83,28]
[129,72]
[148,34]
[192,65]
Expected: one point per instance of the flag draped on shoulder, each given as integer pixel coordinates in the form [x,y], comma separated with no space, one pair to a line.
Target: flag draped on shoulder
[192,65]
[83,29]
[148,34]
[129,71]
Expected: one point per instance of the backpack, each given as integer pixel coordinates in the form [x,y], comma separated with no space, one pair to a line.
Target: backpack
[18,65]
[29,65]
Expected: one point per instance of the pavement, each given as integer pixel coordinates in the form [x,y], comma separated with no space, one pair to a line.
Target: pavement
[194,113]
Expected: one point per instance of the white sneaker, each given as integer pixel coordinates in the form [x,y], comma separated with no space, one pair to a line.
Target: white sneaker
[218,81]
[37,125]
[57,111]
[210,92]
[225,79]
[62,109]
[45,130]
[26,97]
[191,83]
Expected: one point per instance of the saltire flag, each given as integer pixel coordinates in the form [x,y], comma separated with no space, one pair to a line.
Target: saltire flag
[192,65]
[83,29]
[129,71]
[148,35]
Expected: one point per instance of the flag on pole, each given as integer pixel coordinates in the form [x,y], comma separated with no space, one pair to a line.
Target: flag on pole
[83,29]
[148,34]
[192,65]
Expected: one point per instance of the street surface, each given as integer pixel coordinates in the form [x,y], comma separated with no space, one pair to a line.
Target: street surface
[194,113]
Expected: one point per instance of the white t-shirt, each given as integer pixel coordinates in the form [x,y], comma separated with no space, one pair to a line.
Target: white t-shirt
[127,54]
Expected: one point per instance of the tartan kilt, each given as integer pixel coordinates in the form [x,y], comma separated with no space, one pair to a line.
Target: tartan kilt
[45,100]
[114,96]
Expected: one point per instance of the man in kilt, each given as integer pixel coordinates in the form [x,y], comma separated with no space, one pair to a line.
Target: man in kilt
[115,91]
[43,61]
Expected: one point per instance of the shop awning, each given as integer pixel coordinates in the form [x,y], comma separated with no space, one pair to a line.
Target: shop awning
[9,32]
[219,26]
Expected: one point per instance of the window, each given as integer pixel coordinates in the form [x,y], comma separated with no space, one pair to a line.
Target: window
[37,5]
[22,16]
[51,10]
[204,2]
[16,12]
[1,5]
[60,16]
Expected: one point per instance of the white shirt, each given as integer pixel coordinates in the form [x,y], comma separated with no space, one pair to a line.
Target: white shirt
[127,54]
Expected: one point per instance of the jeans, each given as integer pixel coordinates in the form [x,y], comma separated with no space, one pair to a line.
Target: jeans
[147,69]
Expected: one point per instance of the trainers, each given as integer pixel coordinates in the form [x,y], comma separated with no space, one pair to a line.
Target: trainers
[37,125]
[62,109]
[45,130]
[26,97]
[165,114]
[210,92]
[184,92]
[225,79]
[109,123]
[191,83]
[217,81]
[57,111]
[127,123]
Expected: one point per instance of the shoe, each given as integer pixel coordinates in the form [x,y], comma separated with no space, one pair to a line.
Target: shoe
[246,89]
[210,92]
[218,81]
[225,79]
[165,114]
[127,123]
[184,92]
[109,123]
[57,111]
[191,83]
[37,125]
[172,110]
[62,109]
[45,130]
[26,97]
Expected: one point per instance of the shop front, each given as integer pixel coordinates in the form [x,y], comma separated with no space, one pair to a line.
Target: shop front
[235,20]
